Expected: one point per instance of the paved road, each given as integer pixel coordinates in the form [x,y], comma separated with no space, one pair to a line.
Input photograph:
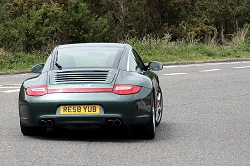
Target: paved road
[206,121]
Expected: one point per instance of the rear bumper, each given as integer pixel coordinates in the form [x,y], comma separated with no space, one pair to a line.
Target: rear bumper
[107,120]
[129,109]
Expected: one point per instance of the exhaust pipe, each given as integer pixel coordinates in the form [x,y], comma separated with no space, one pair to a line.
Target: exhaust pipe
[117,122]
[110,122]
[114,122]
[42,123]
[49,123]
[46,123]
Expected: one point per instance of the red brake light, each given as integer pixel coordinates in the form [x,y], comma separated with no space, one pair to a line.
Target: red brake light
[126,89]
[37,90]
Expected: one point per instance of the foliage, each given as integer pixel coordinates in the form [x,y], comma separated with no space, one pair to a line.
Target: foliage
[164,30]
[18,61]
[161,49]
[35,25]
[150,49]
[164,50]
[41,24]
[80,25]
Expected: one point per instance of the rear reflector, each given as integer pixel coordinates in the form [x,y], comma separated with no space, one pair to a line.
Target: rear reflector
[37,90]
[126,89]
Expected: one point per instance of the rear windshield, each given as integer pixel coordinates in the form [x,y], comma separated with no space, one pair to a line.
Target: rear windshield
[89,57]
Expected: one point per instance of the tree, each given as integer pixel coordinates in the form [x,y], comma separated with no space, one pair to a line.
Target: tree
[32,25]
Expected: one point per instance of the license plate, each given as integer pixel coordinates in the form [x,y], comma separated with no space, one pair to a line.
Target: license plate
[80,109]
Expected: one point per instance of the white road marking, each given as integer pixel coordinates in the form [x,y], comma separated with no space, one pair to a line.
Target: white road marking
[13,76]
[11,84]
[206,64]
[9,87]
[241,67]
[17,75]
[172,74]
[10,91]
[211,70]
[23,74]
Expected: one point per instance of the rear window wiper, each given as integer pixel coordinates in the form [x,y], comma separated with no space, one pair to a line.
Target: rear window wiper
[56,63]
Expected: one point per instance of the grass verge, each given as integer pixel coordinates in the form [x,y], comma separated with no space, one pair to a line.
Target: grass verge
[18,61]
[165,51]
[162,50]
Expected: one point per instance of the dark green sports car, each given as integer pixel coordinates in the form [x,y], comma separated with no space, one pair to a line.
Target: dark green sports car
[92,84]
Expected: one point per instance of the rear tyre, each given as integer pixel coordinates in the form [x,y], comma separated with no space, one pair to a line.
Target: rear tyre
[159,107]
[32,131]
[146,131]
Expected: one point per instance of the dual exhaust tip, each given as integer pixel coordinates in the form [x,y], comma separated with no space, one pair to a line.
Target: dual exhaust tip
[46,123]
[114,122]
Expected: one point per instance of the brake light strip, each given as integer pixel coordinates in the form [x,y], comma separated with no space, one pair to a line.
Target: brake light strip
[75,90]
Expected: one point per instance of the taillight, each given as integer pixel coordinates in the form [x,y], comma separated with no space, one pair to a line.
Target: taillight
[126,89]
[37,90]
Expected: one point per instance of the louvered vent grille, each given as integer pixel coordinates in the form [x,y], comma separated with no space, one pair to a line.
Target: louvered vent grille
[83,76]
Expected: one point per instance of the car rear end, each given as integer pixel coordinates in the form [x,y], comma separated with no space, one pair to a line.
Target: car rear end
[85,97]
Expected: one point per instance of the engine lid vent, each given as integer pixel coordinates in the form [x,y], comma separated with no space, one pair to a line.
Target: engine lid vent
[82,76]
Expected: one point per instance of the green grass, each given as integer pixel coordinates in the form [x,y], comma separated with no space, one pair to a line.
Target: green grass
[161,50]
[165,51]
[19,61]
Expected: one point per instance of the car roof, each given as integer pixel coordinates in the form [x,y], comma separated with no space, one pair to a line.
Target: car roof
[119,45]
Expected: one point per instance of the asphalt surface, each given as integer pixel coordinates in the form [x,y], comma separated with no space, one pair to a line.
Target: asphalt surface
[206,121]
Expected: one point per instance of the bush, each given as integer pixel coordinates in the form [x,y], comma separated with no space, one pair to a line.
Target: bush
[34,25]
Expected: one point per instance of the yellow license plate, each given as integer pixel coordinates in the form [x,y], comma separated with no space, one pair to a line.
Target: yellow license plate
[80,109]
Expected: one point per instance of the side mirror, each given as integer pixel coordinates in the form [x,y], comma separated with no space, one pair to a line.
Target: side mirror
[155,66]
[37,68]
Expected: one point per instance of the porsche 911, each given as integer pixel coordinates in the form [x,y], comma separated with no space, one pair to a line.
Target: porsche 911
[85,84]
